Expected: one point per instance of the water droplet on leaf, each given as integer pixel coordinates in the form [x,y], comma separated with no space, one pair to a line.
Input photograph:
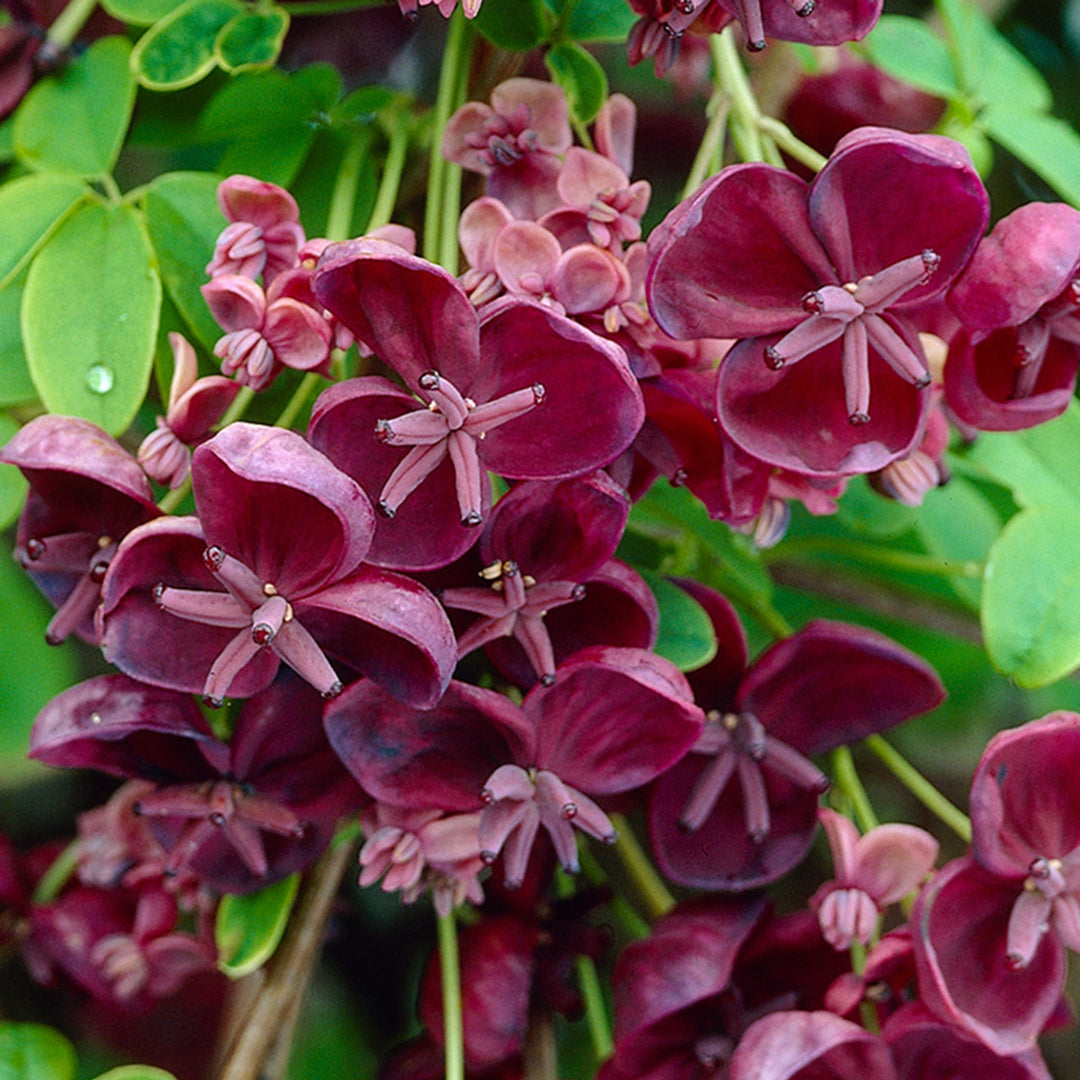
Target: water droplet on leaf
[99,378]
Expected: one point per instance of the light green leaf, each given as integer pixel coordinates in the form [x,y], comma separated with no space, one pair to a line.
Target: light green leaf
[178,50]
[909,50]
[1048,146]
[599,20]
[184,221]
[581,77]
[958,524]
[140,12]
[12,485]
[1031,597]
[865,511]
[686,636]
[34,1052]
[75,121]
[16,386]
[90,314]
[137,1072]
[249,927]
[1029,462]
[251,39]
[30,208]
[518,26]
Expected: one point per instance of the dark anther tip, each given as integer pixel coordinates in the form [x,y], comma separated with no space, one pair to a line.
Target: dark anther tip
[333,691]
[385,510]
[217,819]
[806,9]
[429,380]
[539,393]
[35,549]
[136,809]
[213,557]
[755,46]
[547,679]
[212,702]
[52,638]
[856,419]
[773,359]
[472,519]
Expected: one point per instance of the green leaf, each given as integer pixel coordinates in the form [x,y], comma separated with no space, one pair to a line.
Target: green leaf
[599,20]
[581,77]
[179,49]
[75,121]
[90,314]
[958,524]
[363,105]
[865,511]
[686,636]
[140,12]
[34,1052]
[251,39]
[184,221]
[1031,597]
[249,927]
[16,386]
[137,1072]
[519,25]
[1029,462]
[1048,146]
[13,487]
[909,50]
[30,208]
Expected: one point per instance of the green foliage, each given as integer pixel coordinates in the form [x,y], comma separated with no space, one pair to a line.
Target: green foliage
[34,1052]
[137,1072]
[12,485]
[518,26]
[179,49]
[90,315]
[581,77]
[140,12]
[31,207]
[249,928]
[75,121]
[16,386]
[908,49]
[251,40]
[686,636]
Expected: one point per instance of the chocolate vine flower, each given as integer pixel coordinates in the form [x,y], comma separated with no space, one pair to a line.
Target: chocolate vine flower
[1015,364]
[237,815]
[740,809]
[815,279]
[516,142]
[522,392]
[86,493]
[270,570]
[612,722]
[552,586]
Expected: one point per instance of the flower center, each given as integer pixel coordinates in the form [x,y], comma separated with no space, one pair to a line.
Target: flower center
[855,313]
[513,606]
[263,618]
[453,425]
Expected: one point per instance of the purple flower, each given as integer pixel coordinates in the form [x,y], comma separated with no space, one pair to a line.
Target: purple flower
[270,570]
[614,720]
[740,809]
[238,815]
[86,493]
[815,280]
[522,392]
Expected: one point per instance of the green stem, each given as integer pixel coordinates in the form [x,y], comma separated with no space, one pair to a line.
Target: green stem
[393,167]
[920,787]
[451,202]
[654,892]
[343,199]
[847,779]
[719,107]
[450,77]
[913,561]
[69,22]
[582,132]
[300,395]
[744,107]
[111,188]
[620,907]
[58,874]
[595,1011]
[450,966]
[794,147]
[175,497]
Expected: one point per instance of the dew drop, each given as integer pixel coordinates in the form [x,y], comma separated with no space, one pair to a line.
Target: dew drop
[99,378]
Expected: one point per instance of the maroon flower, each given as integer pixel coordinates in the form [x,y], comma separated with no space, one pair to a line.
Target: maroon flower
[815,280]
[86,493]
[269,571]
[614,719]
[522,392]
[740,810]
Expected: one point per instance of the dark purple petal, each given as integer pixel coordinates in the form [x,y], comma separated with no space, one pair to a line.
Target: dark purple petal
[438,758]
[835,683]
[1023,795]
[281,507]
[961,924]
[411,313]
[388,627]
[614,720]
[592,407]
[736,259]
[126,728]
[810,1046]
